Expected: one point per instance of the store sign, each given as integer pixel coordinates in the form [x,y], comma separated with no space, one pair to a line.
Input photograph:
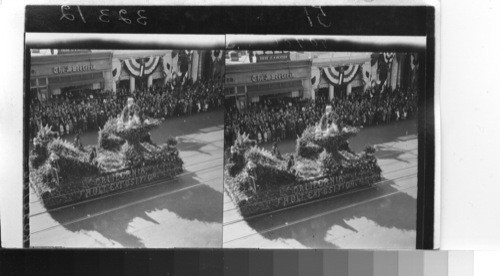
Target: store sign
[274,86]
[72,51]
[270,77]
[273,57]
[72,68]
[323,85]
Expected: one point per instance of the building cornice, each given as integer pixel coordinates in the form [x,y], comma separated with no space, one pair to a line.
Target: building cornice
[68,58]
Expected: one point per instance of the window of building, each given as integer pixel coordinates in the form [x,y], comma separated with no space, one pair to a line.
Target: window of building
[240,89]
[229,91]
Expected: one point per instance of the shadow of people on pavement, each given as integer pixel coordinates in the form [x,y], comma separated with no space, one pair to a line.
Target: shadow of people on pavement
[111,216]
[309,224]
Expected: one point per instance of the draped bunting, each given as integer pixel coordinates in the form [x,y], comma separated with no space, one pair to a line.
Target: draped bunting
[388,57]
[183,61]
[117,69]
[413,61]
[315,77]
[341,75]
[142,66]
[216,55]
[217,64]
[218,70]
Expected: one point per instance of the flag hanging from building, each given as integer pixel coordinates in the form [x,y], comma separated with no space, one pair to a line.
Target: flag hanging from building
[342,74]
[142,66]
[217,55]
[315,77]
[117,69]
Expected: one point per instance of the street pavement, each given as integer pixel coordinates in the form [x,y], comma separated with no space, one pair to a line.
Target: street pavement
[183,212]
[381,217]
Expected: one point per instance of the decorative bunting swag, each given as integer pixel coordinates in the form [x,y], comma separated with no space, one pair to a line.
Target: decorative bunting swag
[217,55]
[388,57]
[142,66]
[341,75]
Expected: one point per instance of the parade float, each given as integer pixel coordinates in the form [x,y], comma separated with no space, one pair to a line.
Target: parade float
[323,165]
[61,172]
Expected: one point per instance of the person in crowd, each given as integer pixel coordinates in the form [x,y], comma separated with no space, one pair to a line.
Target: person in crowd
[289,117]
[147,138]
[92,156]
[234,153]
[276,151]
[79,111]
[291,164]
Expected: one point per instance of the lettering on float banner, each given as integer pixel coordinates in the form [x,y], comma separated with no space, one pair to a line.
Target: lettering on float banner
[336,181]
[304,192]
[120,180]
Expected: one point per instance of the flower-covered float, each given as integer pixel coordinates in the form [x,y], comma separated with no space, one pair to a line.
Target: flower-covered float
[61,172]
[323,165]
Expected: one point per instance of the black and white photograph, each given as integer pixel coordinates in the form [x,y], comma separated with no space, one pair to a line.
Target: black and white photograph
[321,149]
[178,127]
[125,148]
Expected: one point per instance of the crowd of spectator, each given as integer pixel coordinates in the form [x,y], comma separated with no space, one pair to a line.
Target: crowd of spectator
[71,113]
[286,118]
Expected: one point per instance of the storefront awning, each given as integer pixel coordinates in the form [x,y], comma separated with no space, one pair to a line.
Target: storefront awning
[274,88]
[75,80]
[75,83]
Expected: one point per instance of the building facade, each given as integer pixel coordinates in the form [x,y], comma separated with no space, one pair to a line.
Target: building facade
[333,74]
[253,82]
[340,74]
[56,74]
[337,74]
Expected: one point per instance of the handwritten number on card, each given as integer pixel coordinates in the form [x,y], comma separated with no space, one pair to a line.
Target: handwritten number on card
[81,14]
[122,18]
[104,17]
[142,19]
[66,15]
[321,17]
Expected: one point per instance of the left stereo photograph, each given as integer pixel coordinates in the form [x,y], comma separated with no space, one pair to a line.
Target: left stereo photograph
[123,147]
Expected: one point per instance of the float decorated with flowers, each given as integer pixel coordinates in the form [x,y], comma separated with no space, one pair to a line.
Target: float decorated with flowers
[323,165]
[61,172]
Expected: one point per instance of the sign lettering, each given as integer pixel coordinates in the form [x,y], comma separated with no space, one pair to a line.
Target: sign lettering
[273,57]
[72,68]
[270,77]
[104,184]
[309,191]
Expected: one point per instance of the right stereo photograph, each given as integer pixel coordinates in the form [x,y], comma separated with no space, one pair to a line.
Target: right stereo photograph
[321,149]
